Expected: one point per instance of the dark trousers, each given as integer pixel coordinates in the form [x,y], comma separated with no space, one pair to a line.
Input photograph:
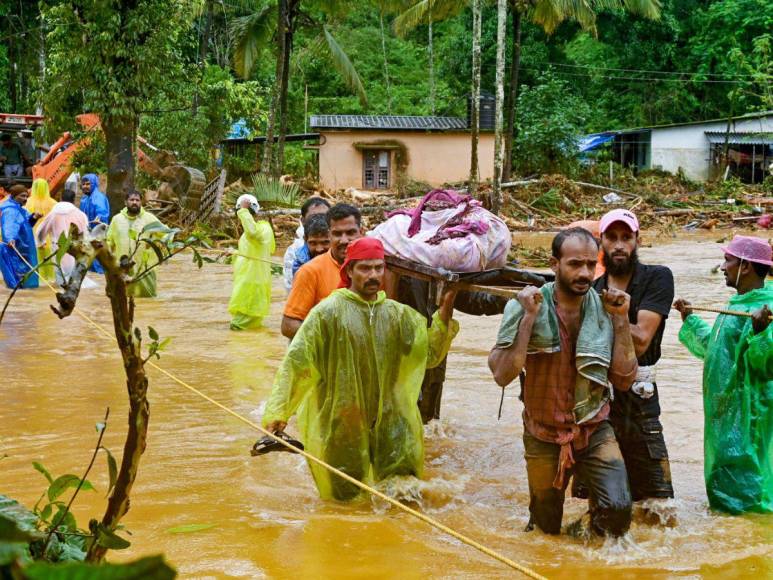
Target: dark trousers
[600,465]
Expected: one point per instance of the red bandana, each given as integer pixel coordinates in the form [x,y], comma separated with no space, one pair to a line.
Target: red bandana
[360,249]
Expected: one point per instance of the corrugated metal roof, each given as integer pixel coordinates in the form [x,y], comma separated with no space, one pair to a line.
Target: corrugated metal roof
[740,138]
[756,115]
[392,122]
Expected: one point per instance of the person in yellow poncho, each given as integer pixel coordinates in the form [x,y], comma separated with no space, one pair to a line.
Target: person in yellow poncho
[122,235]
[251,294]
[41,202]
[353,373]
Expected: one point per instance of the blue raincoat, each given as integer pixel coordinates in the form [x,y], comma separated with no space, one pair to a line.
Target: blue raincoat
[97,208]
[16,227]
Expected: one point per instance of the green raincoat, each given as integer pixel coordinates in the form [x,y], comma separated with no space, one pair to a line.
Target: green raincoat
[122,236]
[251,294]
[737,404]
[353,373]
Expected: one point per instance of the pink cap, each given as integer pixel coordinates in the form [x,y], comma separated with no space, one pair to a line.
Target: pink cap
[750,249]
[619,215]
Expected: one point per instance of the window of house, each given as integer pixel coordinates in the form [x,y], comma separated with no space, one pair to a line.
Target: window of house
[377,166]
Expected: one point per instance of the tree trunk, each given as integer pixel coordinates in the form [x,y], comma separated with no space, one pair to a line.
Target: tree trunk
[512,102]
[139,410]
[496,192]
[12,84]
[386,64]
[119,144]
[287,29]
[431,66]
[204,44]
[475,97]
[267,165]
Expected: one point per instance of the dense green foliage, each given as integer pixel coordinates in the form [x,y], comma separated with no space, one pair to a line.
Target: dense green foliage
[702,59]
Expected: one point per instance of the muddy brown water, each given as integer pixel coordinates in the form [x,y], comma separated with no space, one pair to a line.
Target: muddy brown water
[266,519]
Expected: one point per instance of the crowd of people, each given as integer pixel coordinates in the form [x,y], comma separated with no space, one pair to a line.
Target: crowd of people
[585,349]
[32,223]
[359,369]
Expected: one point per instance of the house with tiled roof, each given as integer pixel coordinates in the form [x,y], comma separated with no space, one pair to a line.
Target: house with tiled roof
[374,152]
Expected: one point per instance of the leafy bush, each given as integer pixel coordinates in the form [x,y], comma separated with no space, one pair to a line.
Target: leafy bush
[550,119]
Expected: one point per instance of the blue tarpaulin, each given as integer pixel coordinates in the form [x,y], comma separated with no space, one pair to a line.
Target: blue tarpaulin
[590,142]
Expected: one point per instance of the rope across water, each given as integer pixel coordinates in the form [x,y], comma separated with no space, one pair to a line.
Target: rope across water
[423,517]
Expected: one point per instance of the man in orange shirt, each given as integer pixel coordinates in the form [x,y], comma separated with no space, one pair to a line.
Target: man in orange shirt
[317,279]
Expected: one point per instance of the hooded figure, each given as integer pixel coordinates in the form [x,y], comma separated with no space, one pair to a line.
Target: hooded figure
[96,206]
[353,373]
[122,235]
[251,294]
[41,202]
[16,225]
[737,383]
[58,222]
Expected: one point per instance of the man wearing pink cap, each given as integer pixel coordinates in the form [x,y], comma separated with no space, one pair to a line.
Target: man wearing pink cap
[738,382]
[635,414]
[353,373]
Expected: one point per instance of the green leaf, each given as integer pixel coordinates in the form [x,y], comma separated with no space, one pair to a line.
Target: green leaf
[109,539]
[64,519]
[150,568]
[63,482]
[152,333]
[163,344]
[156,227]
[39,467]
[112,469]
[100,427]
[188,528]
[345,67]
[62,246]
[157,250]
[13,531]
[45,515]
[13,510]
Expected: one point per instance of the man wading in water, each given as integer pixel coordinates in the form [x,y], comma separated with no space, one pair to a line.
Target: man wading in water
[737,382]
[635,414]
[571,344]
[353,373]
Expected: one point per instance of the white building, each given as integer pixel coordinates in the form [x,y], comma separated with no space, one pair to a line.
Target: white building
[696,147]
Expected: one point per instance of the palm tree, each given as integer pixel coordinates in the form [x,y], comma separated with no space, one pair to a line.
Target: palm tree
[280,21]
[548,14]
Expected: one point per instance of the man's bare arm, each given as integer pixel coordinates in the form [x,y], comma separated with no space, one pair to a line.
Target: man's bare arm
[290,326]
[623,368]
[507,363]
[647,324]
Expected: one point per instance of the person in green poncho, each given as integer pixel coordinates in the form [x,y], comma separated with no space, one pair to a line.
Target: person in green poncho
[353,373]
[738,383]
[122,235]
[251,294]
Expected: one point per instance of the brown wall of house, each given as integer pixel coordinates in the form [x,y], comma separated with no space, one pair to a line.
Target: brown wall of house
[435,158]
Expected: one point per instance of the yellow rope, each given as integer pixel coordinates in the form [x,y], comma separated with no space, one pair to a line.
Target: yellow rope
[232,252]
[432,522]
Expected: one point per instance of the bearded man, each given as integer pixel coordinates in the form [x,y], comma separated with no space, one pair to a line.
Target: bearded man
[635,414]
[122,236]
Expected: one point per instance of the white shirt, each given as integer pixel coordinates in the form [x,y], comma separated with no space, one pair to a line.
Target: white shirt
[289,257]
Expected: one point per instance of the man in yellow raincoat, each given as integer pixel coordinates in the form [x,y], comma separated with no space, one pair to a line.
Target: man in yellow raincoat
[251,294]
[41,202]
[123,234]
[738,383]
[353,373]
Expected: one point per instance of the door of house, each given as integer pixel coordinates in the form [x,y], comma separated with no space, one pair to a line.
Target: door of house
[376,169]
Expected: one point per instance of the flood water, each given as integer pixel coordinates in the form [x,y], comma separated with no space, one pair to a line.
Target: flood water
[266,518]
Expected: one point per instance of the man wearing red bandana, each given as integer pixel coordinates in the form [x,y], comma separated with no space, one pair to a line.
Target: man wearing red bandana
[353,374]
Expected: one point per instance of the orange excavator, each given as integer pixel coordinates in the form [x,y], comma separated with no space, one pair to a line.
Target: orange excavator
[178,182]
